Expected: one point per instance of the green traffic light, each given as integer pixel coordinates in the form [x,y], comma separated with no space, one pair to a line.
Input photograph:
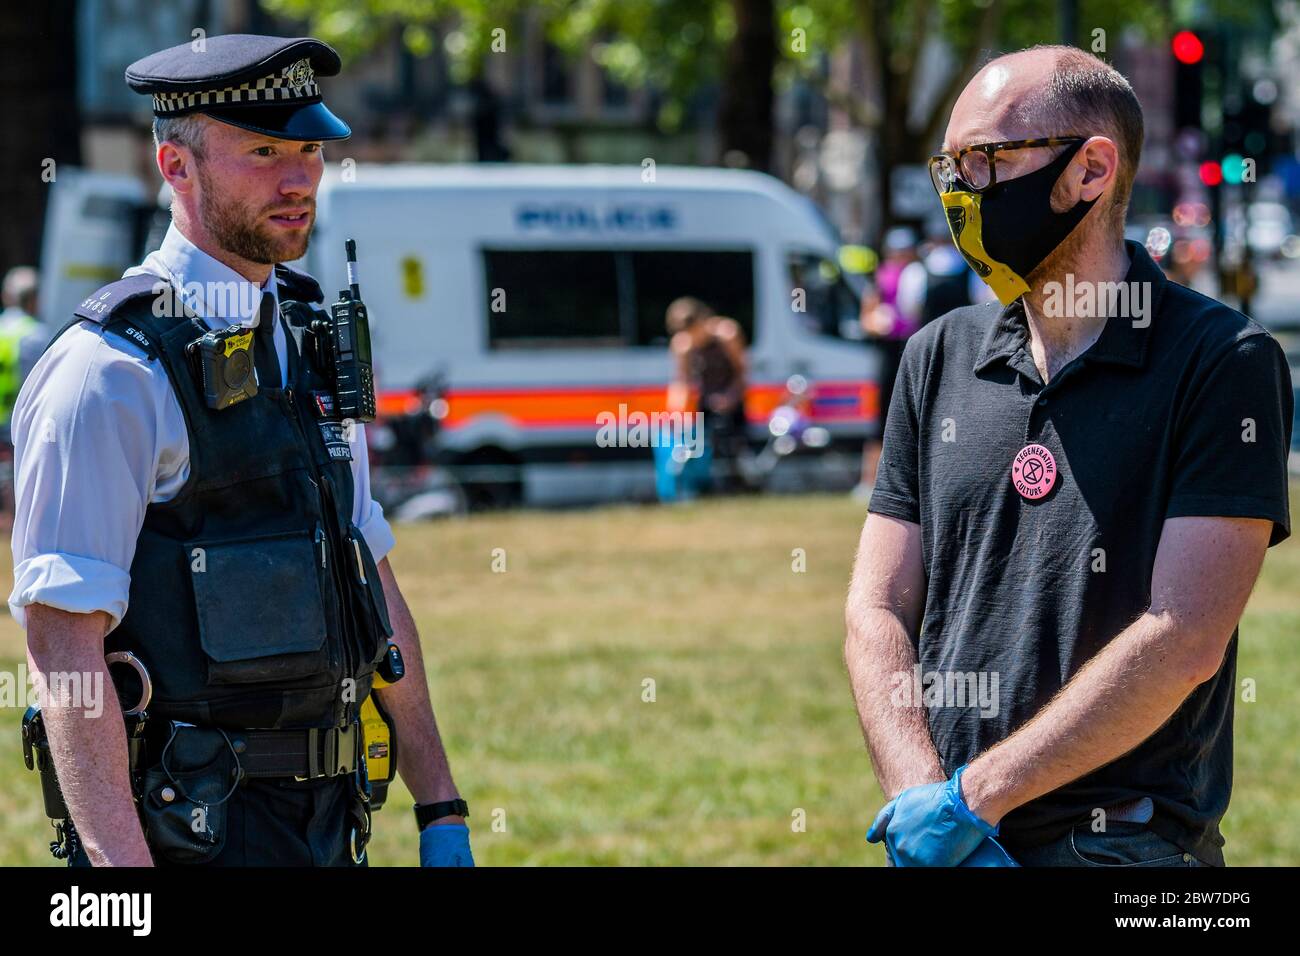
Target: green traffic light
[1233,165]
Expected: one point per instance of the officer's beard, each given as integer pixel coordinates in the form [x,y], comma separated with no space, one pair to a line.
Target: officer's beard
[241,231]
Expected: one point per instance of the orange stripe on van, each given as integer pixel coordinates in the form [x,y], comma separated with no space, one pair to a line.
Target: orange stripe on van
[578,407]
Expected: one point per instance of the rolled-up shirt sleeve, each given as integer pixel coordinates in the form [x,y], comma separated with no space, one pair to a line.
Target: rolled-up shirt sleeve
[367,513]
[86,454]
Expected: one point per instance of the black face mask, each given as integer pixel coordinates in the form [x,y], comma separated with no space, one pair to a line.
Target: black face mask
[1006,231]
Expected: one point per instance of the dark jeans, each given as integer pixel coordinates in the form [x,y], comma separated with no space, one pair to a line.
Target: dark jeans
[726,435]
[1123,844]
[271,823]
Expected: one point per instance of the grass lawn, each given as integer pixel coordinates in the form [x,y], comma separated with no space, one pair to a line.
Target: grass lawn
[539,673]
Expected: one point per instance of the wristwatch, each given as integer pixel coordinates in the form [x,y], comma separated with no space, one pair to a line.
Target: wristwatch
[426,813]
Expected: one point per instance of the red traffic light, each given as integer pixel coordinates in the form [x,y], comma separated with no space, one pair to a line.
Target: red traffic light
[1211,173]
[1187,47]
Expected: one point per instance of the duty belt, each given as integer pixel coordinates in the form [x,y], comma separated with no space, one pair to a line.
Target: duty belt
[301,754]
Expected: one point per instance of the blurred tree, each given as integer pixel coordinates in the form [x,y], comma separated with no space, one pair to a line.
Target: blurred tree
[745,107]
[469,28]
[894,37]
[676,47]
[747,48]
[683,47]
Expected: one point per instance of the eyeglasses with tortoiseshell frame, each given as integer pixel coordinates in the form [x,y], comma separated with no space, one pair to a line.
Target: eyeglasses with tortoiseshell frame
[976,165]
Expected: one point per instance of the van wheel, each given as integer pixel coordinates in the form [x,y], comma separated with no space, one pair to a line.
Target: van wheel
[492,478]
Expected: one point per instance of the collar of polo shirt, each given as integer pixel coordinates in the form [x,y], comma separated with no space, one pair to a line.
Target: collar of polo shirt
[1121,342]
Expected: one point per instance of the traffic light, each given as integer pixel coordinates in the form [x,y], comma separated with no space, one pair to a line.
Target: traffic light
[1187,47]
[1234,168]
[1189,85]
[1247,130]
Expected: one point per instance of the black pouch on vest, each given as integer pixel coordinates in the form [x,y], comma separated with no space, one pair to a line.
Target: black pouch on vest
[185,796]
[373,606]
[260,611]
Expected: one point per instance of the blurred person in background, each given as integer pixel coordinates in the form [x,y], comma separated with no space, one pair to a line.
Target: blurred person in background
[709,363]
[887,326]
[939,280]
[22,336]
[914,286]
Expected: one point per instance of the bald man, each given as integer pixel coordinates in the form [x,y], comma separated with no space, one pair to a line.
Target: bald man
[1077,488]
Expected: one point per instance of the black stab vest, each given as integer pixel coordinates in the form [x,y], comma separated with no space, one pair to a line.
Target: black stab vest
[254,602]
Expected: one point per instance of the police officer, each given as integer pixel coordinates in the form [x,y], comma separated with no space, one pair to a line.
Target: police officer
[235,550]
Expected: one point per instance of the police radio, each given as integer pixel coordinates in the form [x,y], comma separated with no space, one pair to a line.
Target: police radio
[342,346]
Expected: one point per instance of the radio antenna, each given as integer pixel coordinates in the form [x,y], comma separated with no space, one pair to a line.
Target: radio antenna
[351,247]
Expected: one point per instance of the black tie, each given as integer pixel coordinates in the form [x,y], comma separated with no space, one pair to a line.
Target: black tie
[268,366]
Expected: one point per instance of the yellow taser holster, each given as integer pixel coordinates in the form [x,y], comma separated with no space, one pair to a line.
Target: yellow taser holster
[379,744]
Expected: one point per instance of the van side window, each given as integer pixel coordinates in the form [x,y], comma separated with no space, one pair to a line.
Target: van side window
[599,298]
[723,279]
[552,298]
[821,298]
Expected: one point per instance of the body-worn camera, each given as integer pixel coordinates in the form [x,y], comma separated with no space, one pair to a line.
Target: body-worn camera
[340,346]
[223,360]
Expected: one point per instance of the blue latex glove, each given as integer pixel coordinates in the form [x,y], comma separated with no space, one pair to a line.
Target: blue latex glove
[930,825]
[445,844]
[989,853]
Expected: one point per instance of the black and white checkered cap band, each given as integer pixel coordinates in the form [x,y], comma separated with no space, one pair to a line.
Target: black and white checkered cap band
[297,81]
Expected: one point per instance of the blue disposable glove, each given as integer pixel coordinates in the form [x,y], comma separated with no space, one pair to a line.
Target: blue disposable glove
[988,853]
[930,825]
[445,844]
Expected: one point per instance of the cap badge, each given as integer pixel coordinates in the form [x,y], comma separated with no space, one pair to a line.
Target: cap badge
[300,73]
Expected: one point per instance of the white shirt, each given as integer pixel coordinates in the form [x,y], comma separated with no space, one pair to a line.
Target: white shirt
[99,435]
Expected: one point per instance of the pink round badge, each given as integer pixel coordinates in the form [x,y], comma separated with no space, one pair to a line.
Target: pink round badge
[1033,472]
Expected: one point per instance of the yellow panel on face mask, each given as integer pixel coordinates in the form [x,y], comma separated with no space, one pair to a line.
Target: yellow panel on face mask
[963,210]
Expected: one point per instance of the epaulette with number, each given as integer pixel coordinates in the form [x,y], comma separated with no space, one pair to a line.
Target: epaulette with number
[105,307]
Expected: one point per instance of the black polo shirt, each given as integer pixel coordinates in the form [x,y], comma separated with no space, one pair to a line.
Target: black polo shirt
[1148,424]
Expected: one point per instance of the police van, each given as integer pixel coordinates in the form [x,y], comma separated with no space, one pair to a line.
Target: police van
[539,292]
[536,295]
